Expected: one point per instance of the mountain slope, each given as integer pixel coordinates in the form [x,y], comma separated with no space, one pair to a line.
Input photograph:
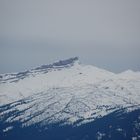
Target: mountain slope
[66,91]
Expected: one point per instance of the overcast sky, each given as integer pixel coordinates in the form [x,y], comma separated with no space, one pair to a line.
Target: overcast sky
[104,33]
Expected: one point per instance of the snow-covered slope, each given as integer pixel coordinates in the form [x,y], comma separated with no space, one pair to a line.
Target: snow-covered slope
[66,91]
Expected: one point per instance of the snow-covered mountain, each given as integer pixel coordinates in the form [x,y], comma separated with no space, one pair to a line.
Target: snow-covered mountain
[65,91]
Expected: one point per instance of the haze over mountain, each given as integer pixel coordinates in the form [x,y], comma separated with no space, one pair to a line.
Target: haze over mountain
[105,34]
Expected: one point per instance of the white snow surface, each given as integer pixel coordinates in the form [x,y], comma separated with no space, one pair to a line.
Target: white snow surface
[67,91]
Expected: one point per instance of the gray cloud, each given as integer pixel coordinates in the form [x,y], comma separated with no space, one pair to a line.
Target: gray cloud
[102,33]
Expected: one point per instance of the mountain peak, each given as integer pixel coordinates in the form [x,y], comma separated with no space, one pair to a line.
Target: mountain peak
[69,61]
[61,63]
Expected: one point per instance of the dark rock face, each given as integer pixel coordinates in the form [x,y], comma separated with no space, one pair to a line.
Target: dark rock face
[63,63]
[66,62]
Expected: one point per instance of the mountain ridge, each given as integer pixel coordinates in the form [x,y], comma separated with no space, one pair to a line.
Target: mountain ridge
[74,94]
